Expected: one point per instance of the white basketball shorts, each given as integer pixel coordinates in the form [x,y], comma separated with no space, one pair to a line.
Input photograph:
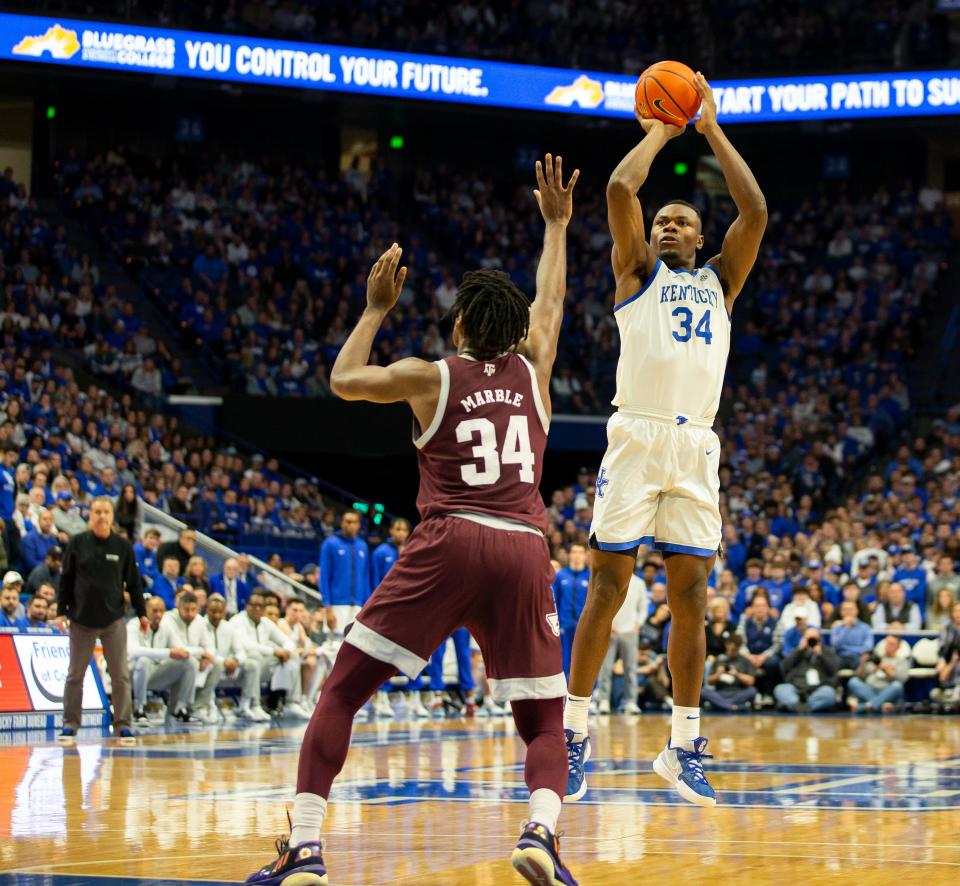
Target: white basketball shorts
[658,485]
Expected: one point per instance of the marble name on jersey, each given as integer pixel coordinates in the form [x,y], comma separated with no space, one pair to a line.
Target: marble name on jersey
[674,292]
[491,395]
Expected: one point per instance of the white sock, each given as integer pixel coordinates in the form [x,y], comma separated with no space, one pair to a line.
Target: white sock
[309,811]
[575,713]
[545,808]
[685,727]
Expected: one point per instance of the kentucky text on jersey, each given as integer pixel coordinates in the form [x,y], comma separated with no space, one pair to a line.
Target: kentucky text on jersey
[674,340]
[675,293]
[491,395]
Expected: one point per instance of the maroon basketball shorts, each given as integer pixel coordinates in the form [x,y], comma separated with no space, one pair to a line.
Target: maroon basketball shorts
[454,572]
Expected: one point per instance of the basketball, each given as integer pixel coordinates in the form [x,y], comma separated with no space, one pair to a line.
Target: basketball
[666,91]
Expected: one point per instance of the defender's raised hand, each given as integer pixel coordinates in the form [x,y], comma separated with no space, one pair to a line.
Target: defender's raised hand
[555,200]
[384,283]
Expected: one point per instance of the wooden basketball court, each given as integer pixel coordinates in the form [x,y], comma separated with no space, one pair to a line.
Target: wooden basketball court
[802,800]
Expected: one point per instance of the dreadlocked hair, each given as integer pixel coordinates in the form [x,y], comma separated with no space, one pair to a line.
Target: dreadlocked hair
[494,311]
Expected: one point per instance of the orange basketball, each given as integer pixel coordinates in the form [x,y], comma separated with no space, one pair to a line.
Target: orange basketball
[666,91]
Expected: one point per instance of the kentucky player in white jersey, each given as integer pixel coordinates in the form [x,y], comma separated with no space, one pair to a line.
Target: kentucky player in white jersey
[658,484]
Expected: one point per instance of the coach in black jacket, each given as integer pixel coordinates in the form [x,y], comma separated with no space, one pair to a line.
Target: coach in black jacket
[98,566]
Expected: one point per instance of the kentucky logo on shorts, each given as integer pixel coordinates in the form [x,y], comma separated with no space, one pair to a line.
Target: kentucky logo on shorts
[602,482]
[554,621]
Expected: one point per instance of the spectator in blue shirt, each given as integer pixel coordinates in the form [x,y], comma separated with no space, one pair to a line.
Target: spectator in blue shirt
[748,586]
[232,586]
[228,516]
[208,267]
[911,574]
[759,630]
[570,593]
[735,550]
[385,555]
[10,608]
[8,485]
[779,587]
[793,636]
[344,572]
[850,637]
[146,553]
[38,541]
[287,384]
[36,616]
[165,585]
[108,484]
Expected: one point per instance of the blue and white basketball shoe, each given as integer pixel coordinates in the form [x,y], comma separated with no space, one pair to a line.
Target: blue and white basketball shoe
[684,770]
[578,752]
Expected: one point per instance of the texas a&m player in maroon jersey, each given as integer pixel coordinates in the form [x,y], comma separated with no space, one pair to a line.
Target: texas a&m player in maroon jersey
[478,558]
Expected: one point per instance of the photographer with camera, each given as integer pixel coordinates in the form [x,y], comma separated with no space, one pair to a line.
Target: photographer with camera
[730,686]
[810,676]
[878,684]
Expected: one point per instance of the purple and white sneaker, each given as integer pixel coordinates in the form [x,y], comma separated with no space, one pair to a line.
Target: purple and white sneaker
[537,858]
[297,866]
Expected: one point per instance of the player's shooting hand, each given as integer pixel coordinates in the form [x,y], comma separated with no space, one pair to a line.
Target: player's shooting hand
[652,124]
[708,106]
[555,200]
[385,282]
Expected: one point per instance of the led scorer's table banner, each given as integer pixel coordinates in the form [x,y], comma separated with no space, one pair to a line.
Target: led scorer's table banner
[86,44]
[33,672]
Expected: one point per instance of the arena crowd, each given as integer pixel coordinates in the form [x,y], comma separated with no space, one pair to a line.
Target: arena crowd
[832,499]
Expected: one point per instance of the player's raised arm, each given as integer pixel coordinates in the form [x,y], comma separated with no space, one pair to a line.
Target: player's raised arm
[631,251]
[742,241]
[413,380]
[546,313]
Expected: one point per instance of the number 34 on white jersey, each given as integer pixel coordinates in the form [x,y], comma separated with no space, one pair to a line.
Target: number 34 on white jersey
[674,342]
[516,450]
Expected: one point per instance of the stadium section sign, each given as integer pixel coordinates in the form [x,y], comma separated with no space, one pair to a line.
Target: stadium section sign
[465,81]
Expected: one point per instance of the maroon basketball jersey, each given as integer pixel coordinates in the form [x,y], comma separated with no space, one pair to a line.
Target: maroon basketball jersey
[483,451]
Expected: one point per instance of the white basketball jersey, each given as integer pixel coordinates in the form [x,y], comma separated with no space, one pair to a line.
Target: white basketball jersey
[674,341]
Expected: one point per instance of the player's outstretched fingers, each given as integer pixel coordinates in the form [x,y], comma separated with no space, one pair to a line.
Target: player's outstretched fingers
[573,180]
[393,261]
[558,172]
[541,181]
